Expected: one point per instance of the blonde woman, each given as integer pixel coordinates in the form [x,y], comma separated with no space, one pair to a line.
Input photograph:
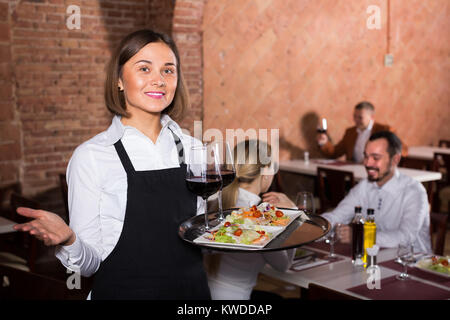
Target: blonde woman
[232,276]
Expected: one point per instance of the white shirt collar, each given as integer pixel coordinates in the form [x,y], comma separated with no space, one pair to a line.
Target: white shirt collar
[369,127]
[117,129]
[247,198]
[391,185]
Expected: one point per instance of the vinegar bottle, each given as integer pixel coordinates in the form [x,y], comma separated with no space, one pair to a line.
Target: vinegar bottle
[370,233]
[357,237]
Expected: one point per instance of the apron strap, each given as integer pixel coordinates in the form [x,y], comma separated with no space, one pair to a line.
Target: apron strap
[126,162]
[179,146]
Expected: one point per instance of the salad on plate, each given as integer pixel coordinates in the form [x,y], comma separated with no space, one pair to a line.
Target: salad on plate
[261,215]
[435,264]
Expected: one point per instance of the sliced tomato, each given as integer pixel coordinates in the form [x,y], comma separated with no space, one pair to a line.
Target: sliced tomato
[279,213]
[227,224]
[238,232]
[257,214]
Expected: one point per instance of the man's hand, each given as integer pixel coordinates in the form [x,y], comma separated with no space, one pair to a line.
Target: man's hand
[321,138]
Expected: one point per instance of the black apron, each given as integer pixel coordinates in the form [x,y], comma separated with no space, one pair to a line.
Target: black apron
[150,261]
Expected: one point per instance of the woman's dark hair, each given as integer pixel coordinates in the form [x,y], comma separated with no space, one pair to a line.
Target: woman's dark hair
[394,143]
[128,47]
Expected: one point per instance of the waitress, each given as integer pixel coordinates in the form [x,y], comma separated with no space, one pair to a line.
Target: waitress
[127,189]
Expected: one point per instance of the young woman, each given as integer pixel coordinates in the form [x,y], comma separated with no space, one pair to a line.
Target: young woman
[233,275]
[127,189]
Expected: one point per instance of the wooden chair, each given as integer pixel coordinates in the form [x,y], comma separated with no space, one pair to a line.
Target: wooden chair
[422,164]
[316,292]
[441,163]
[5,195]
[333,186]
[444,143]
[64,192]
[19,249]
[438,226]
[18,284]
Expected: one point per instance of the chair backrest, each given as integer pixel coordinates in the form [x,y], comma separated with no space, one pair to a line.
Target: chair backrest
[441,162]
[19,284]
[64,192]
[412,163]
[5,196]
[444,143]
[438,227]
[333,186]
[21,244]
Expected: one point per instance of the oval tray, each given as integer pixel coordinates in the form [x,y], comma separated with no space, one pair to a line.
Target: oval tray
[298,233]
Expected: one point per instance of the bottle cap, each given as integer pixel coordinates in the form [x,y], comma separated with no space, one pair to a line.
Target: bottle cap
[370,211]
[358,209]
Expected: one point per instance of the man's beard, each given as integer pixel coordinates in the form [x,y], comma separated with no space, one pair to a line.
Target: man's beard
[388,172]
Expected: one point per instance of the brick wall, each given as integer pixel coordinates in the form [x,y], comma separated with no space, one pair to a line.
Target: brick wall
[51,77]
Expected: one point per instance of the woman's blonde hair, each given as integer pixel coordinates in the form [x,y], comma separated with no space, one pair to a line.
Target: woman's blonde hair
[128,47]
[248,163]
[248,160]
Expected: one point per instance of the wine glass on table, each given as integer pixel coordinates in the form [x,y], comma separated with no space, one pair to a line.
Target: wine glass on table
[405,255]
[203,175]
[305,202]
[331,238]
[227,170]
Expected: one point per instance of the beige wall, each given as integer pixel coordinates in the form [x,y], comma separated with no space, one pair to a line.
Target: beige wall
[283,64]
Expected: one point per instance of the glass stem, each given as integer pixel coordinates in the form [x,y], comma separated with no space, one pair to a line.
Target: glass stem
[220,205]
[331,248]
[405,270]
[206,215]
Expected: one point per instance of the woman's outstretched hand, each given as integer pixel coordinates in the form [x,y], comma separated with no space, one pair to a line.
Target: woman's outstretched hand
[46,226]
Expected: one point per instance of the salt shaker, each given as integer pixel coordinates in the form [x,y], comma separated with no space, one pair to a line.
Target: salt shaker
[306,157]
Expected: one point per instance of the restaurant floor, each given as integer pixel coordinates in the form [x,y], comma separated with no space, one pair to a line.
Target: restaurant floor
[286,290]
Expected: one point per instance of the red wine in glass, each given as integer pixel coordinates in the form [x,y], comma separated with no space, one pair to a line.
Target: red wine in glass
[227,177]
[204,186]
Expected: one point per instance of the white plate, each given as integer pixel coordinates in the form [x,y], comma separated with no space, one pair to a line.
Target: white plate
[292,214]
[425,262]
[271,231]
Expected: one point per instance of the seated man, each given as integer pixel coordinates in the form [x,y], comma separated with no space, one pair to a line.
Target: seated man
[400,202]
[355,138]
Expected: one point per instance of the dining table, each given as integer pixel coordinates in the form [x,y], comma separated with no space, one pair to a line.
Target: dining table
[425,152]
[359,172]
[341,275]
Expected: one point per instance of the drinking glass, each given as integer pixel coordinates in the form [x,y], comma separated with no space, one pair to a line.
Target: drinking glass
[305,202]
[226,168]
[322,127]
[405,255]
[203,176]
[331,238]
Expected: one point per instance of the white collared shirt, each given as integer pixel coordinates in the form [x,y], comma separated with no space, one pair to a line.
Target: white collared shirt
[238,272]
[401,211]
[98,186]
[361,140]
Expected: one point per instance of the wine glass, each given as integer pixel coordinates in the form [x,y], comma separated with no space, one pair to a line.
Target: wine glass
[226,168]
[203,176]
[331,238]
[405,255]
[322,127]
[305,202]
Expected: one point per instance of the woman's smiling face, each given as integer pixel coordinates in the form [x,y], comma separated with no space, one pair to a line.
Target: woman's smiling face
[149,79]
